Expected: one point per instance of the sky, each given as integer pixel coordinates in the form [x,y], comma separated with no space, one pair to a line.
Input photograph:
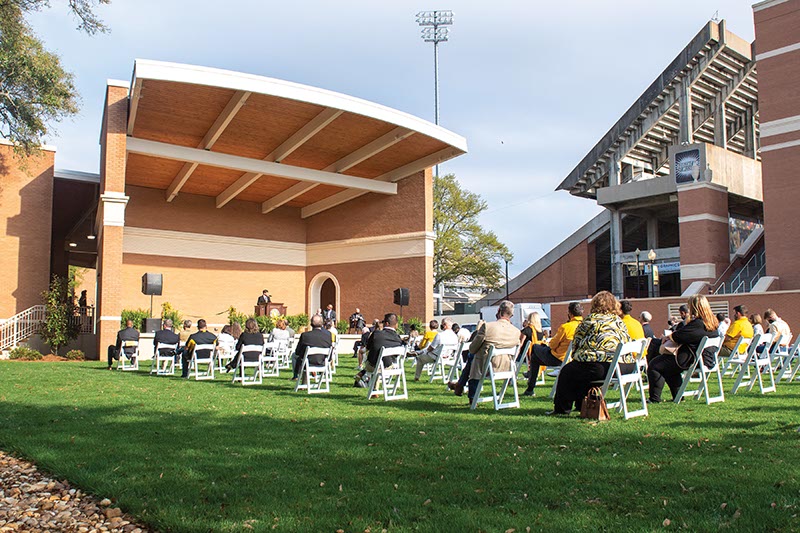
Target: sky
[532,85]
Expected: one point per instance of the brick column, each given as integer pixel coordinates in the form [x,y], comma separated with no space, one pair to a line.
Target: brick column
[428,283]
[703,227]
[111,216]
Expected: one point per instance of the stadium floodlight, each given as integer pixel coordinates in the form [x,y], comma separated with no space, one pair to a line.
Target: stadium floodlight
[434,30]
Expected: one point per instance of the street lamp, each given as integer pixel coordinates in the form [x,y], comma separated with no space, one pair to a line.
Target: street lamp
[651,255]
[434,30]
[638,275]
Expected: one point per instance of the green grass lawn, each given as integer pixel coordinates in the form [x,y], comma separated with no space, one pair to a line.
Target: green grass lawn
[209,456]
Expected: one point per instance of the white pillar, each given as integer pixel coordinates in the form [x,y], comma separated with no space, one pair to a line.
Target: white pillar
[685,112]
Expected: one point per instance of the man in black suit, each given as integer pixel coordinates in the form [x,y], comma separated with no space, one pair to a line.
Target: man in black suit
[316,338]
[124,335]
[381,338]
[329,315]
[201,336]
[264,299]
[357,322]
[166,335]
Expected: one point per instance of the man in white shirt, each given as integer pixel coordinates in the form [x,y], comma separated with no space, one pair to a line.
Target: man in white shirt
[463,335]
[432,351]
[777,326]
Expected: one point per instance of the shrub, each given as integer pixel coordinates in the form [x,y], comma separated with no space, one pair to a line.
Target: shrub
[297,322]
[265,323]
[58,327]
[136,315]
[342,326]
[167,311]
[235,316]
[75,355]
[415,322]
[24,353]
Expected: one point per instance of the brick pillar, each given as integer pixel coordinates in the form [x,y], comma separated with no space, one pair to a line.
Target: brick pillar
[703,227]
[428,178]
[111,216]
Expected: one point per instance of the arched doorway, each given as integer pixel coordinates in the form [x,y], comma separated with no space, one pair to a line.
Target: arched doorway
[323,290]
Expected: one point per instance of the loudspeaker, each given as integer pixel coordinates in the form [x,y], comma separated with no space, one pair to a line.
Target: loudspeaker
[401,297]
[151,325]
[151,284]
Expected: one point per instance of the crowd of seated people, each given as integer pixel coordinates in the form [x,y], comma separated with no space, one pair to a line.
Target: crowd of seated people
[594,338]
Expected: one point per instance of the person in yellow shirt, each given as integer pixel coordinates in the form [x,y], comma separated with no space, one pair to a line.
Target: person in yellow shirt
[553,354]
[740,327]
[429,335]
[635,329]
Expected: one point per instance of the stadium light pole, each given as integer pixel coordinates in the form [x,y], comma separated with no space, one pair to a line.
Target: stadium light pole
[434,30]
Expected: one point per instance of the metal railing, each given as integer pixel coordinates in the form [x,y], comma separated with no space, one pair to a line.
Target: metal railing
[84,319]
[20,326]
[746,277]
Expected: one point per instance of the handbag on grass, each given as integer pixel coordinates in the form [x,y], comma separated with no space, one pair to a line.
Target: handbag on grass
[669,347]
[594,405]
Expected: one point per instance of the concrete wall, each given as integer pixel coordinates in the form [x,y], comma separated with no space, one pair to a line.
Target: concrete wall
[26,203]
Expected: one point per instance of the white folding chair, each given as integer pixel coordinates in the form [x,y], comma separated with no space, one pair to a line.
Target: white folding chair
[446,356]
[736,359]
[133,363]
[458,364]
[698,373]
[567,359]
[245,363]
[389,381]
[506,378]
[334,359]
[163,364]
[791,362]
[626,382]
[226,351]
[760,363]
[285,355]
[270,361]
[779,348]
[203,354]
[522,358]
[315,378]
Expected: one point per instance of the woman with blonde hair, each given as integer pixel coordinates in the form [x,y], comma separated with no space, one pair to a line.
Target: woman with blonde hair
[669,368]
[594,346]
[758,324]
[279,332]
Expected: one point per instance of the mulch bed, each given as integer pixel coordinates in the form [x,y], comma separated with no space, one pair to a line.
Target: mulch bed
[32,502]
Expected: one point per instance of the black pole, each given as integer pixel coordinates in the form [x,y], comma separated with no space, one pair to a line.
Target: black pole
[506,260]
[638,279]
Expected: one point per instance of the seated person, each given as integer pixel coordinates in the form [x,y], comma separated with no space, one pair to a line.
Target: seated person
[645,318]
[279,332]
[331,327]
[384,338]
[777,326]
[593,349]
[554,353]
[128,333]
[201,336]
[458,386]
[500,334]
[316,338]
[360,346]
[428,355]
[166,336]
[183,335]
[740,327]
[669,368]
[251,336]
[724,324]
[635,329]
[429,335]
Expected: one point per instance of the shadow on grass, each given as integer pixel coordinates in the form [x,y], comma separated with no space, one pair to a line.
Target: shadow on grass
[213,457]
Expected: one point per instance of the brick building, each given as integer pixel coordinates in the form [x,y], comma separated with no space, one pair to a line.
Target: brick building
[227,183]
[697,180]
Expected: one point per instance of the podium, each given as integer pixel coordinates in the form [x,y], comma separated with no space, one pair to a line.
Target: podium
[270,309]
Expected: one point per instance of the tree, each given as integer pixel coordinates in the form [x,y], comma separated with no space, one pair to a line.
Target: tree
[58,327]
[35,90]
[463,249]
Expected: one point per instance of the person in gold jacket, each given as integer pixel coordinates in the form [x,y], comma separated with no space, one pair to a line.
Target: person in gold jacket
[554,353]
[635,329]
[500,334]
[740,327]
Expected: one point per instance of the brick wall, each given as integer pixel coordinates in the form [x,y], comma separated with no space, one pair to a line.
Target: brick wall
[570,276]
[785,303]
[26,200]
